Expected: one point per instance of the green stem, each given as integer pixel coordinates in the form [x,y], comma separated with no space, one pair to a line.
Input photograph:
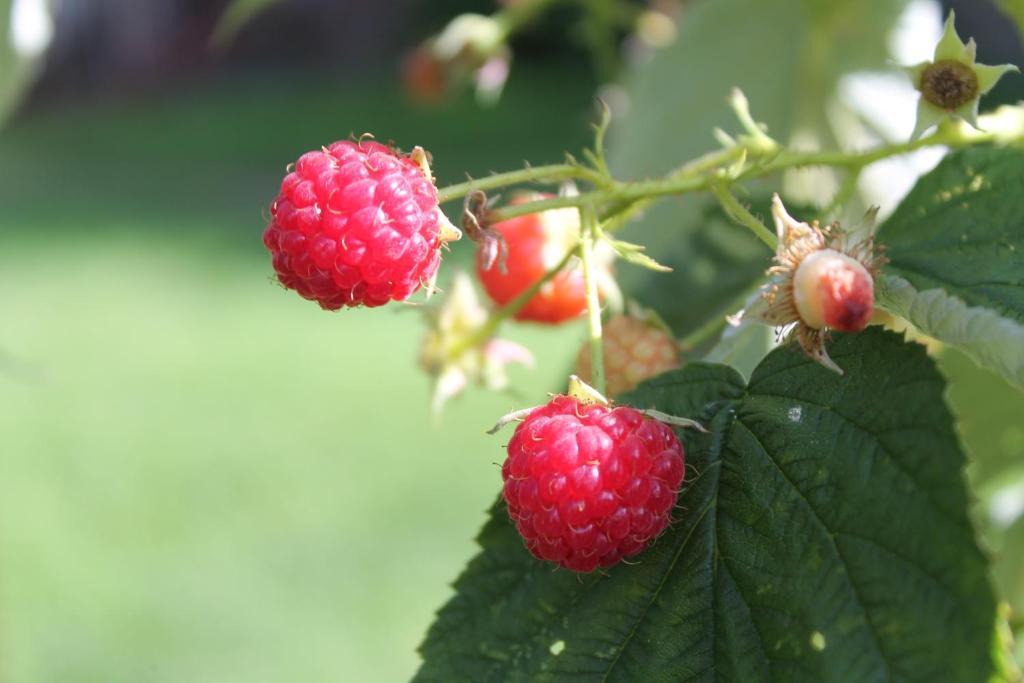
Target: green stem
[739,213]
[702,333]
[487,330]
[712,326]
[706,171]
[588,239]
[946,134]
[625,193]
[546,174]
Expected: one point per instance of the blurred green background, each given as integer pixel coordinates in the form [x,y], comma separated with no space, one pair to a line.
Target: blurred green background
[204,478]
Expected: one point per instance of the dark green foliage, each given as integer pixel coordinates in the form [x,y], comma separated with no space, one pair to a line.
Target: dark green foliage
[961,229]
[821,536]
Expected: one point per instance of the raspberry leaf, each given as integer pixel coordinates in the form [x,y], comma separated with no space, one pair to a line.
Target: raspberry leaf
[807,546]
[956,245]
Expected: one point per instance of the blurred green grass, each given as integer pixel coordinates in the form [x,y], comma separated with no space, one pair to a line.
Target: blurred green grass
[202,477]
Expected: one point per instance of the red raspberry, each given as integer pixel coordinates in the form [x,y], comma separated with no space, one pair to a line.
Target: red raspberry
[356,223]
[634,350]
[536,243]
[588,485]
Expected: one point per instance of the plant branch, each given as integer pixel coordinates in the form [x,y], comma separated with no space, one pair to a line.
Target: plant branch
[706,331]
[536,174]
[713,168]
[713,325]
[739,213]
[588,241]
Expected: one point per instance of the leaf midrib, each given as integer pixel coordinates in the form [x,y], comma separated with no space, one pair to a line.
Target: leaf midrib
[855,591]
[712,503]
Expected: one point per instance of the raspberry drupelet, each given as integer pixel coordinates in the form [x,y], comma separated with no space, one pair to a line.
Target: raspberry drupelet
[357,223]
[588,484]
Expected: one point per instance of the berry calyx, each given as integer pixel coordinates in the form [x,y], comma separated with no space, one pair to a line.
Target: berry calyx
[589,484]
[534,244]
[634,350]
[952,82]
[831,289]
[948,84]
[357,223]
[822,280]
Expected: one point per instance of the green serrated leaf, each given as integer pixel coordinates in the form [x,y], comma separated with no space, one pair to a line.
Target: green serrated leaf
[821,536]
[622,247]
[991,340]
[956,249]
[634,253]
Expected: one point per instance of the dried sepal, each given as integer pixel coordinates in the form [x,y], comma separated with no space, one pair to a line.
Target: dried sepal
[475,223]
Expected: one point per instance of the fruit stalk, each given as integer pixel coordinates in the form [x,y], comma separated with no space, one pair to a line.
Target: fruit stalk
[588,230]
[739,213]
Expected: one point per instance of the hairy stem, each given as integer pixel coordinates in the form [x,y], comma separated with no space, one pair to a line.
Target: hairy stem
[717,322]
[739,213]
[588,239]
[708,170]
[537,174]
[706,331]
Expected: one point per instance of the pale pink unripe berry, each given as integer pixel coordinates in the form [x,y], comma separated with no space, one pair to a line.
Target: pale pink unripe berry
[634,350]
[831,289]
[822,280]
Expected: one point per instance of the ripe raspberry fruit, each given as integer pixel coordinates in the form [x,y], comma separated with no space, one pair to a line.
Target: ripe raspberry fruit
[357,223]
[535,243]
[634,350]
[588,484]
